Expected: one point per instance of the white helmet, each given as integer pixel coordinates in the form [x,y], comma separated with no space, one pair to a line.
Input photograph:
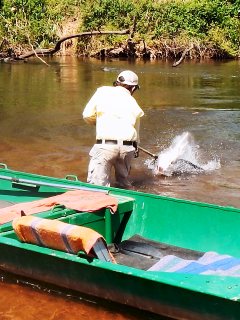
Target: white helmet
[128,77]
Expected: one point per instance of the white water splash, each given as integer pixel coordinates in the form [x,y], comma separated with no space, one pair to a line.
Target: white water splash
[182,156]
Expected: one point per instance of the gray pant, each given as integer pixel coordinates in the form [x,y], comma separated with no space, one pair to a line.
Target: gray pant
[104,157]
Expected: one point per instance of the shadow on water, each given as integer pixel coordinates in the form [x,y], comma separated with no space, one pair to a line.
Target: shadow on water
[42,304]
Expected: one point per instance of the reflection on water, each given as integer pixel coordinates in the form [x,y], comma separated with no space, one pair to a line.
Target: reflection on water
[31,300]
[42,132]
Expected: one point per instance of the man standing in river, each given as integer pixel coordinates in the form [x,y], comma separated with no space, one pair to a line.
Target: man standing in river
[116,115]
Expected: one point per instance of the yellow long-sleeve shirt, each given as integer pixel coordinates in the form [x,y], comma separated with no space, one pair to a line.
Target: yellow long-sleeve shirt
[115,113]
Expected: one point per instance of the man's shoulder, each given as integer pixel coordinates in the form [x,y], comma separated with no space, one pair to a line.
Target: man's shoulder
[106,92]
[105,88]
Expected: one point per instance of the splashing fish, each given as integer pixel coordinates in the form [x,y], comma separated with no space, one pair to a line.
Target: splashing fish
[180,157]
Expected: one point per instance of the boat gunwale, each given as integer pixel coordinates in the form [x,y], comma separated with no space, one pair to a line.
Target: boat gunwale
[114,191]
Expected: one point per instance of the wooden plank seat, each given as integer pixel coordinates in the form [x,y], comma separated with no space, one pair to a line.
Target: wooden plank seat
[103,217]
[61,236]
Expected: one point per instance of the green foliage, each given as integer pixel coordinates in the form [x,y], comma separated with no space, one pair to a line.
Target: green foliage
[169,19]
[61,9]
[220,41]
[35,22]
[99,13]
[23,21]
[206,21]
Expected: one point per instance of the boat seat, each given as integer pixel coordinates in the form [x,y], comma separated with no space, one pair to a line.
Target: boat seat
[107,222]
[61,236]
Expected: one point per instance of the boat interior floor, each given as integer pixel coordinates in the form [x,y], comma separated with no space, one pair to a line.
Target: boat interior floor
[142,253]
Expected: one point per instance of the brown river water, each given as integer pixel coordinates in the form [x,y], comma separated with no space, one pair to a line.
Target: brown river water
[42,132]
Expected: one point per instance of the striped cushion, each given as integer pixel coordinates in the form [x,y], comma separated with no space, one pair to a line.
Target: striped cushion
[211,263]
[55,234]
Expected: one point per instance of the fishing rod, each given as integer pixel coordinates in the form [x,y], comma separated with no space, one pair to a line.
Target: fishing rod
[148,152]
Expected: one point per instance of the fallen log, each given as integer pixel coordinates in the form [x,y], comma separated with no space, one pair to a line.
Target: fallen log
[51,51]
[182,56]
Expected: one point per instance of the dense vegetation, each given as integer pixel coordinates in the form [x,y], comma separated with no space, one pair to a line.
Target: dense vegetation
[160,28]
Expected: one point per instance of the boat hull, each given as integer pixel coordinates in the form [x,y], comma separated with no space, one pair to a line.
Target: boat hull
[191,225]
[118,285]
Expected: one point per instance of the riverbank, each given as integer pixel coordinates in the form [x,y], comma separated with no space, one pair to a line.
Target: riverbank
[160,29]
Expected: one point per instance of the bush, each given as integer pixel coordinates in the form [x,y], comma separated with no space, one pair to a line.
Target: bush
[203,21]
[169,19]
[24,22]
[35,22]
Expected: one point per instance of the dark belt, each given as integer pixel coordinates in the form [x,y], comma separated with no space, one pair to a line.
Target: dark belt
[107,141]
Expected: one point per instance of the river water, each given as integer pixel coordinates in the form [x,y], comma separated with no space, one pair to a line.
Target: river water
[42,132]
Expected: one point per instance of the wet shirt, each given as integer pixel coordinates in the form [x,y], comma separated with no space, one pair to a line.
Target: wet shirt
[115,113]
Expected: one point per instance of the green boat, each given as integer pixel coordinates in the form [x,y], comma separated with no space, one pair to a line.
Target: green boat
[167,256]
